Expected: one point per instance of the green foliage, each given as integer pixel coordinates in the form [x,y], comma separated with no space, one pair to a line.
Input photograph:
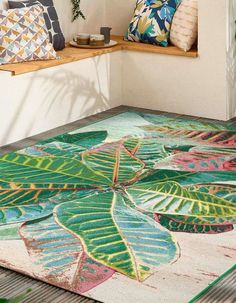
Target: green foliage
[77,13]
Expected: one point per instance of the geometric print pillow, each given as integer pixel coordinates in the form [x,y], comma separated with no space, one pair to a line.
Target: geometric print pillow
[184,27]
[56,36]
[151,21]
[23,36]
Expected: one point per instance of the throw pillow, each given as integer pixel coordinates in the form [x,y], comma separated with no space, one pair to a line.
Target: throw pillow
[56,36]
[184,27]
[151,21]
[23,36]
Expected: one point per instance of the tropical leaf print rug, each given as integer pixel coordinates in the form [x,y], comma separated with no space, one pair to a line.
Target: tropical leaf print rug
[134,208]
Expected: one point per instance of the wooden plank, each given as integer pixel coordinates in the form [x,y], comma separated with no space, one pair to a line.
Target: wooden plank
[169,50]
[67,55]
[72,54]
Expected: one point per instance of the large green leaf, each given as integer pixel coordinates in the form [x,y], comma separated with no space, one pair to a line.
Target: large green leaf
[23,197]
[186,124]
[18,197]
[66,145]
[227,192]
[203,225]
[106,227]
[82,140]
[5,185]
[148,150]
[170,198]
[10,232]
[9,215]
[58,149]
[18,168]
[25,205]
[189,178]
[113,161]
[61,256]
[150,244]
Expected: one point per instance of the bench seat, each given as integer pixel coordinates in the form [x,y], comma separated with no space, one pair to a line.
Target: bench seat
[71,54]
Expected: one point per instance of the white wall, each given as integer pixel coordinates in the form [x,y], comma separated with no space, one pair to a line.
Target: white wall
[52,97]
[184,85]
[231,57]
[119,14]
[94,11]
[36,102]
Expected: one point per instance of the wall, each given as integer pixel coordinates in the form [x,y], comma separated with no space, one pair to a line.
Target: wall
[184,85]
[93,9]
[146,78]
[36,102]
[231,57]
[53,97]
[119,14]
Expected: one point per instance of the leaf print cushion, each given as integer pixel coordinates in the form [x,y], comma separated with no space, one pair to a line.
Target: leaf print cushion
[151,21]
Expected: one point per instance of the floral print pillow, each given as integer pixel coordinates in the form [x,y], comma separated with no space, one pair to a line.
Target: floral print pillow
[151,21]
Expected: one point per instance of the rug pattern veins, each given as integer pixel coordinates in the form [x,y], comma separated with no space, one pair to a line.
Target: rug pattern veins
[103,200]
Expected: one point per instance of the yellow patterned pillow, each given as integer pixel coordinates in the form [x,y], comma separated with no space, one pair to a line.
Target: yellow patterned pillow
[23,36]
[184,26]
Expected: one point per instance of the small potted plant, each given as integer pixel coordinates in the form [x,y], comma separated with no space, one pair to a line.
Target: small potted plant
[76,11]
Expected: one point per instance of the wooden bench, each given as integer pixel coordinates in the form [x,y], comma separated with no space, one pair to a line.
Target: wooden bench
[72,54]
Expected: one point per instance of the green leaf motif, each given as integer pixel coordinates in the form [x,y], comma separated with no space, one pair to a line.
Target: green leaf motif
[150,244]
[25,169]
[18,197]
[189,178]
[104,234]
[46,241]
[189,124]
[86,205]
[10,215]
[83,141]
[149,150]
[172,199]
[227,192]
[113,161]
[67,145]
[61,256]
[10,232]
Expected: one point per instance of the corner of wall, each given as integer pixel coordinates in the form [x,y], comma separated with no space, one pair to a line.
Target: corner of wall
[231,59]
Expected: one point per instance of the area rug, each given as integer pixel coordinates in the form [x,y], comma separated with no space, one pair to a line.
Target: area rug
[134,208]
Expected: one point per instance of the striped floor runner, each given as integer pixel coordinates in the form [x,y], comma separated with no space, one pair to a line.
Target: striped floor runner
[222,290]
[12,284]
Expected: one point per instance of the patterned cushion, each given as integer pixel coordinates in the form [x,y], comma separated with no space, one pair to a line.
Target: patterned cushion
[185,25]
[151,21]
[51,19]
[23,36]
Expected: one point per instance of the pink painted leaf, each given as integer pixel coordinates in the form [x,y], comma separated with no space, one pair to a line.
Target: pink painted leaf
[199,161]
[58,257]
